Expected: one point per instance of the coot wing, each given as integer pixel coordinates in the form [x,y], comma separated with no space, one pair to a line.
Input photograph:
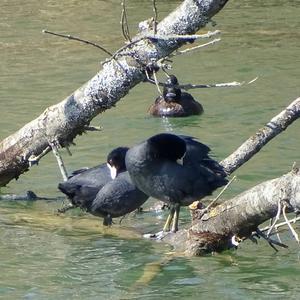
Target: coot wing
[118,197]
[195,150]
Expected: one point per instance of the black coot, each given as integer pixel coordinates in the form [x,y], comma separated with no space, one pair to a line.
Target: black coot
[91,180]
[113,195]
[174,102]
[174,169]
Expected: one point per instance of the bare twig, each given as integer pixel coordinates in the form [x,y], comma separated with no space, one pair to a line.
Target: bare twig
[220,194]
[68,150]
[155,17]
[276,218]
[193,49]
[294,220]
[70,37]
[294,233]
[203,86]
[124,22]
[270,241]
[156,83]
[93,128]
[35,159]
[218,85]
[60,162]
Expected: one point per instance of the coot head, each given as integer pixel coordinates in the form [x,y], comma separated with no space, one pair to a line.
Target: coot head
[116,161]
[167,146]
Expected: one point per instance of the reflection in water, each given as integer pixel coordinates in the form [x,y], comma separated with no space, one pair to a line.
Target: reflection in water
[166,124]
[44,256]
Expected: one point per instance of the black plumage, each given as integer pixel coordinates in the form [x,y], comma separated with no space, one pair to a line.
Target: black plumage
[105,190]
[174,169]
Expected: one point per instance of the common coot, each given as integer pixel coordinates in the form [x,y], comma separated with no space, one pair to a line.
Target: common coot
[106,190]
[174,169]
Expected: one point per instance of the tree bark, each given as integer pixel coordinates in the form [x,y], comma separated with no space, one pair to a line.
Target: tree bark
[61,123]
[240,216]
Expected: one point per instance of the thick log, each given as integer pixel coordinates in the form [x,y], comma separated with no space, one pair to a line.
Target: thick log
[240,216]
[61,123]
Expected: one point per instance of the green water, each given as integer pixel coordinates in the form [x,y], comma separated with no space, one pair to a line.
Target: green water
[44,256]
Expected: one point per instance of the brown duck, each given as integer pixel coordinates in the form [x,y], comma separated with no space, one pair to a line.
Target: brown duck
[174,103]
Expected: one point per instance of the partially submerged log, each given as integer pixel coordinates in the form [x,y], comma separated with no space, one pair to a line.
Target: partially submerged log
[213,231]
[62,122]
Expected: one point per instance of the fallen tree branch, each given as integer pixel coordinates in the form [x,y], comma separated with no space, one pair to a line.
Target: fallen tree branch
[64,121]
[239,216]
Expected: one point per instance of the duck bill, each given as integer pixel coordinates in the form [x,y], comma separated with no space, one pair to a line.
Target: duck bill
[170,96]
[113,171]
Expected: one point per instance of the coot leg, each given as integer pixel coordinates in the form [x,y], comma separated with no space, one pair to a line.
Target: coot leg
[169,219]
[176,217]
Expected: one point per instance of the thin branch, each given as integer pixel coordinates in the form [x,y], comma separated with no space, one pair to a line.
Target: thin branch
[155,17]
[203,86]
[294,220]
[215,85]
[70,37]
[294,233]
[35,159]
[93,128]
[220,194]
[60,162]
[270,241]
[156,83]
[124,22]
[193,49]
[68,150]
[276,218]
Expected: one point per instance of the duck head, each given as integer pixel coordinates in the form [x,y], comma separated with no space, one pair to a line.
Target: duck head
[172,92]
